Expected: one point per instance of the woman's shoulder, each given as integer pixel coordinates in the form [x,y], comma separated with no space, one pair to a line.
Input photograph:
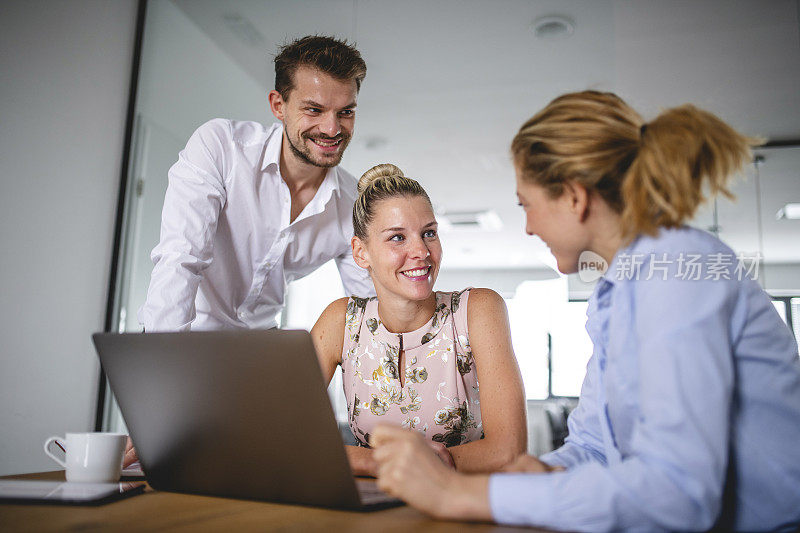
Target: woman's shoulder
[333,314]
[477,297]
[684,239]
[481,298]
[471,302]
[678,253]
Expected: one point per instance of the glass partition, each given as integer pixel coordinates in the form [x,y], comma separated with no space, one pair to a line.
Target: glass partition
[448,85]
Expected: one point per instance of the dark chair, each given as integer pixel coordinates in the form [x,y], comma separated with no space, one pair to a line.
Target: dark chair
[347,435]
[557,418]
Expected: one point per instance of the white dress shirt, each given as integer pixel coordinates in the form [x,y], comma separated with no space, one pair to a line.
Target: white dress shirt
[227,249]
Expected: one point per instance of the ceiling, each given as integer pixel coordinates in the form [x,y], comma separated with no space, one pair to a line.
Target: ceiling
[449,83]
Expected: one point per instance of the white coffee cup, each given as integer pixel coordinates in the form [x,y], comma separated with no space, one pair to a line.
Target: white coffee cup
[90,457]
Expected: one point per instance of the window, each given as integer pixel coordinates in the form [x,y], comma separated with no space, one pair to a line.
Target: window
[549,337]
[550,340]
[571,348]
[780,307]
[789,310]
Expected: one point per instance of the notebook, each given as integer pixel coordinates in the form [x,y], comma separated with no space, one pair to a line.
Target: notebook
[243,414]
[17,491]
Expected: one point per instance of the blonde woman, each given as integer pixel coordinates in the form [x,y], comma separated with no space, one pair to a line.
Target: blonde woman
[438,363]
[689,415]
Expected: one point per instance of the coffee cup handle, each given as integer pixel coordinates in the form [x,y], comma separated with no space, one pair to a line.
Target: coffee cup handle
[47,444]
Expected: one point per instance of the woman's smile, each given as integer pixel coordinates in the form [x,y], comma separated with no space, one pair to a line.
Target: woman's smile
[417,274]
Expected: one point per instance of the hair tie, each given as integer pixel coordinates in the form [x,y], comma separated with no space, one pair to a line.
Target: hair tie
[642,129]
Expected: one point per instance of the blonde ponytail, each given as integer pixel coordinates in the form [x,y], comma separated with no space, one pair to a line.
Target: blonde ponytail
[683,151]
[653,174]
[376,184]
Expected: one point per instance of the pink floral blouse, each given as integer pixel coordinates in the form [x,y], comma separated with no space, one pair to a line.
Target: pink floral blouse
[439,396]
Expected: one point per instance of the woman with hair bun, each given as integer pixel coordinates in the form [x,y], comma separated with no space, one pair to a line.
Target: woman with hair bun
[412,356]
[689,415]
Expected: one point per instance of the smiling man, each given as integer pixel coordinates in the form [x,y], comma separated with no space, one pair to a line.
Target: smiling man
[250,208]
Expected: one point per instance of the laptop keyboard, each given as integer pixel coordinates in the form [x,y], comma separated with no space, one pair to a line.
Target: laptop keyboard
[370,493]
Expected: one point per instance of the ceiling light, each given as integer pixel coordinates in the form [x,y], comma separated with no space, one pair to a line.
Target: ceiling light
[553,27]
[789,211]
[482,220]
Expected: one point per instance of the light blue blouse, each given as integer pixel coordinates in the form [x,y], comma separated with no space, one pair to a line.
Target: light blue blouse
[689,415]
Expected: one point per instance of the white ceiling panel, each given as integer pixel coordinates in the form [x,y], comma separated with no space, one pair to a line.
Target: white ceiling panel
[449,82]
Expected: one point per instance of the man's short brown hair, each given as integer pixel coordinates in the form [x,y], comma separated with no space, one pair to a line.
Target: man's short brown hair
[332,56]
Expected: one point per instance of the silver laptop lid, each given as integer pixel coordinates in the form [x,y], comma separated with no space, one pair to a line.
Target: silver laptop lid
[230,413]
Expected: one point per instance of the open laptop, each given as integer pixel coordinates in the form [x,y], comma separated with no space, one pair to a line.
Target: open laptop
[243,414]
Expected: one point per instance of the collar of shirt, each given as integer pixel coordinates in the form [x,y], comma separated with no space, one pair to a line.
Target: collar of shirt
[601,296]
[272,150]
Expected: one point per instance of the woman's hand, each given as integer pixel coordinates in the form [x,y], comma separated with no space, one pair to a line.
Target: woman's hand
[443,453]
[410,469]
[530,463]
[130,456]
[361,461]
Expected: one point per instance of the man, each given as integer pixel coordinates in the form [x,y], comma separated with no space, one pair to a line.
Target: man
[249,209]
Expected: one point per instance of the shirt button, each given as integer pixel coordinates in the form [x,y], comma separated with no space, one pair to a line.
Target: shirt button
[241,314]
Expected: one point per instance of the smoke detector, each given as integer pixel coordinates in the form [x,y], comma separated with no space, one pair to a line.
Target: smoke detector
[553,27]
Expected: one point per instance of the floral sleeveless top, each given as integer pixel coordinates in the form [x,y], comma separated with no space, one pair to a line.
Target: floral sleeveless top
[439,395]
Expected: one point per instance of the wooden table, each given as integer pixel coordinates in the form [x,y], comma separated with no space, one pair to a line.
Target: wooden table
[155,510]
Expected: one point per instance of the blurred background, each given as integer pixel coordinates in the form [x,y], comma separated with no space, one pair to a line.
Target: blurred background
[448,85]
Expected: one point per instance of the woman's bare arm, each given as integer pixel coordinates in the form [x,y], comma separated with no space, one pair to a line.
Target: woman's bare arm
[502,393]
[328,337]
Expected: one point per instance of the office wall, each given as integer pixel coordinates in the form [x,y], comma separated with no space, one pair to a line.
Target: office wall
[186,79]
[65,70]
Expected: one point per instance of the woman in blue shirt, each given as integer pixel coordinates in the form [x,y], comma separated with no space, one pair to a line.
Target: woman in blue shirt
[689,415]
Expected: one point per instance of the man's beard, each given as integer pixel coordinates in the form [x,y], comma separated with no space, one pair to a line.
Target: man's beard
[304,154]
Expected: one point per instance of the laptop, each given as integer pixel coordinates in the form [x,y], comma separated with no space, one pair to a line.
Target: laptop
[242,414]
